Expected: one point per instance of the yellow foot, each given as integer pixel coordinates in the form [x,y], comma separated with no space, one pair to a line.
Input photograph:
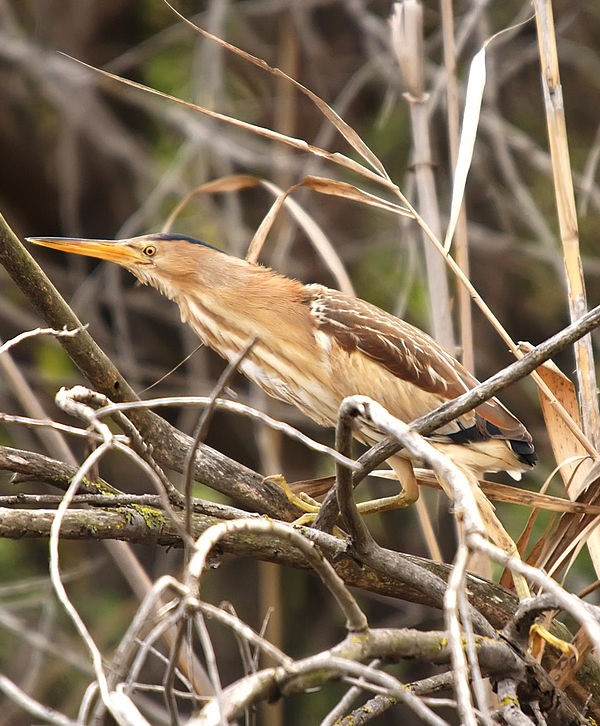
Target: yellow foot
[302,501]
[539,636]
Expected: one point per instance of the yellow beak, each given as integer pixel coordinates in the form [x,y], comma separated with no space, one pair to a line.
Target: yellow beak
[114,251]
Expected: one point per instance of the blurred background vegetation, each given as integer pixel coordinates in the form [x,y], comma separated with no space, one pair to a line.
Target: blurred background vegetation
[84,156]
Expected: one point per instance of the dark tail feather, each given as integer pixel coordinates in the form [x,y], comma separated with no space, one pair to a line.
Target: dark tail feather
[524,451]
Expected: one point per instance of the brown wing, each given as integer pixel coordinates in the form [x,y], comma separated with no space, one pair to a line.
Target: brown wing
[413,356]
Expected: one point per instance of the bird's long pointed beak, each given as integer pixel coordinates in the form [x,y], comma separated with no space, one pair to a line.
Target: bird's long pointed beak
[114,251]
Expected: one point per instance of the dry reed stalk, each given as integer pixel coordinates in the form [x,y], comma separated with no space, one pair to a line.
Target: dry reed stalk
[460,235]
[406,24]
[269,442]
[567,220]
[407,45]
[567,215]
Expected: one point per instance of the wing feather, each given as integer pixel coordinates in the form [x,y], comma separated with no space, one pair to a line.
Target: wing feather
[413,356]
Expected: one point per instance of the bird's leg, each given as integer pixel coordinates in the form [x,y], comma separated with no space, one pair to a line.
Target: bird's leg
[408,494]
[403,471]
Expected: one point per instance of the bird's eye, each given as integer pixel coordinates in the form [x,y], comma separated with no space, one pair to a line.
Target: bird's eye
[150,250]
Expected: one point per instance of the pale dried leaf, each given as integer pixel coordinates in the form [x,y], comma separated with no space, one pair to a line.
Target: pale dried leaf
[571,525]
[573,463]
[298,144]
[237,182]
[349,191]
[493,490]
[318,238]
[322,185]
[259,238]
[474,96]
[569,453]
[233,183]
[344,129]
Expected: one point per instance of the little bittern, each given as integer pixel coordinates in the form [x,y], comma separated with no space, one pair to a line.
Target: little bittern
[315,346]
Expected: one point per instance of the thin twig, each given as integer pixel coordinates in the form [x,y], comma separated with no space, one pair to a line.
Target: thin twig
[37,332]
[323,666]
[481,696]
[211,664]
[49,423]
[32,707]
[59,588]
[355,619]
[361,537]
[337,713]
[168,618]
[244,632]
[171,673]
[203,424]
[456,582]
[82,411]
[234,407]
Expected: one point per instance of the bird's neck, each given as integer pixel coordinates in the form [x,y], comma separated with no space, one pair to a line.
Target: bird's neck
[236,301]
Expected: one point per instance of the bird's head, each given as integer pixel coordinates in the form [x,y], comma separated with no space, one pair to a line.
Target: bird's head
[168,262]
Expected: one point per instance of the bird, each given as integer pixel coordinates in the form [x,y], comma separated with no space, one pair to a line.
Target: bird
[314,346]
